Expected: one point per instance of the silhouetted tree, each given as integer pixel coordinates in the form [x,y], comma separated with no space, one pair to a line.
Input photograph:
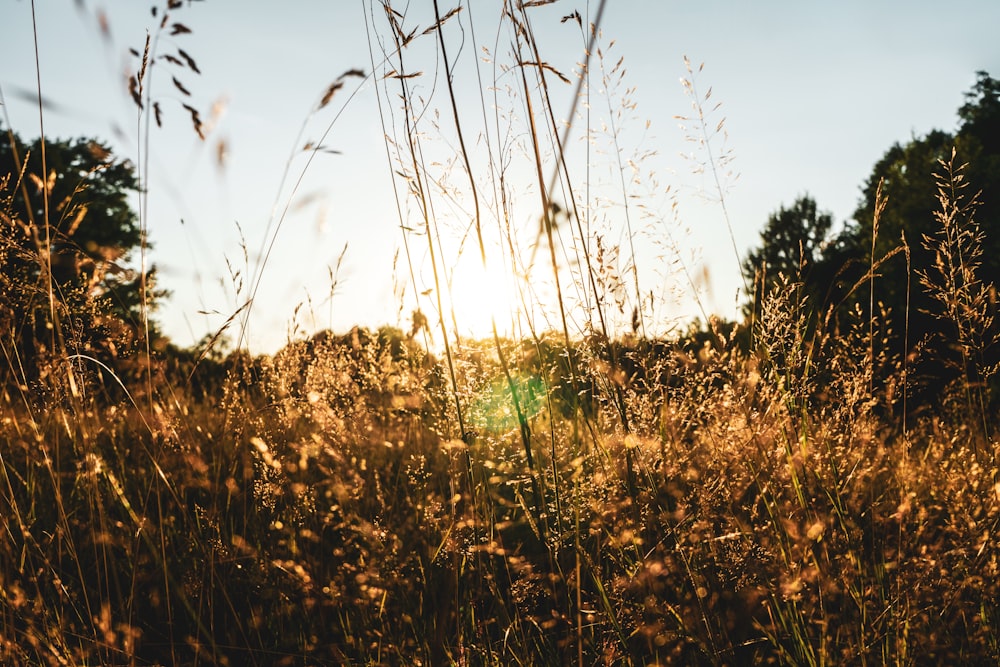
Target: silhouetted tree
[901,251]
[792,245]
[910,215]
[68,236]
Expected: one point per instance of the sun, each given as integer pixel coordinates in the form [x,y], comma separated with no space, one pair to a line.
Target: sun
[481,295]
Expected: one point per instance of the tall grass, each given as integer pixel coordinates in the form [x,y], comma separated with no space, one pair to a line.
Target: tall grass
[575,492]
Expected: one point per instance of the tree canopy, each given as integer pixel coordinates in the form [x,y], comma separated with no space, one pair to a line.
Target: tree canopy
[966,165]
[798,244]
[897,237]
[68,241]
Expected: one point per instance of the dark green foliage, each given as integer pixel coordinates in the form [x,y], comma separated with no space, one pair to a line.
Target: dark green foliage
[980,117]
[67,285]
[792,244]
[887,257]
[89,194]
[909,177]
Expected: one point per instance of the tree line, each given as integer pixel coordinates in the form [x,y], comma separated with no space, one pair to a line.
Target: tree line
[920,256]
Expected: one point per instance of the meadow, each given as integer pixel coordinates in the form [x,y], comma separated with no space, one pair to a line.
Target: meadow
[769,491]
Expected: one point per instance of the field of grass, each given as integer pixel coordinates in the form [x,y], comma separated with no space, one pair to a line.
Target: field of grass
[704,506]
[758,493]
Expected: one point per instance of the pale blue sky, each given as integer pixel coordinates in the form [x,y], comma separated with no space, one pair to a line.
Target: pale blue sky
[813,94]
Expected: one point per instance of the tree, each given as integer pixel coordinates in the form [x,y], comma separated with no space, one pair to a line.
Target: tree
[792,240]
[979,141]
[905,175]
[912,217]
[68,237]
[894,254]
[930,239]
[797,244]
[981,114]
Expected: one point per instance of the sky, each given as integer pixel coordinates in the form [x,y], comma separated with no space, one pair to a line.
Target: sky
[811,95]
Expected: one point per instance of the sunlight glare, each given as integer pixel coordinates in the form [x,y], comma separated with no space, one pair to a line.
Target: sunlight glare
[481,295]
